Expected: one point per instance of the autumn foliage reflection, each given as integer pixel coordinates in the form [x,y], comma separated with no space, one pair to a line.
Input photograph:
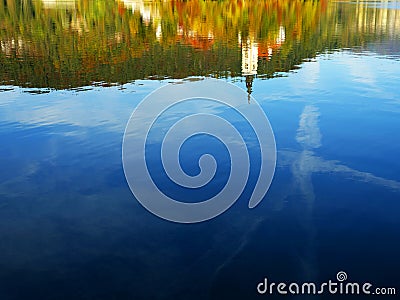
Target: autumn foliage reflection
[70,43]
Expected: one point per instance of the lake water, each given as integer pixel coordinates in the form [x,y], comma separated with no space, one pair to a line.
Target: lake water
[326,73]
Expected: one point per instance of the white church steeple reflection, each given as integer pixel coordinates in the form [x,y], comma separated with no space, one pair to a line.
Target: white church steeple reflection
[252,51]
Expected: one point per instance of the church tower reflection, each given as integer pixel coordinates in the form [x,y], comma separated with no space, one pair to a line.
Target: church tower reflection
[252,51]
[249,62]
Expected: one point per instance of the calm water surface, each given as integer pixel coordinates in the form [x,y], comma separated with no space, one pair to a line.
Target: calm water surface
[326,74]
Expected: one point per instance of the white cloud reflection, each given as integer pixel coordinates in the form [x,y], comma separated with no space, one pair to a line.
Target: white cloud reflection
[306,162]
[308,133]
[303,166]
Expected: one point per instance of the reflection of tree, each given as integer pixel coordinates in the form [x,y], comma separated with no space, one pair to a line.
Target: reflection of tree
[73,43]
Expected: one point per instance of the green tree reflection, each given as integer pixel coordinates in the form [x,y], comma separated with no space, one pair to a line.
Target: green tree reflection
[70,43]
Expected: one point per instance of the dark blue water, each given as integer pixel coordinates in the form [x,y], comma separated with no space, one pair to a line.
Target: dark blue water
[71,229]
